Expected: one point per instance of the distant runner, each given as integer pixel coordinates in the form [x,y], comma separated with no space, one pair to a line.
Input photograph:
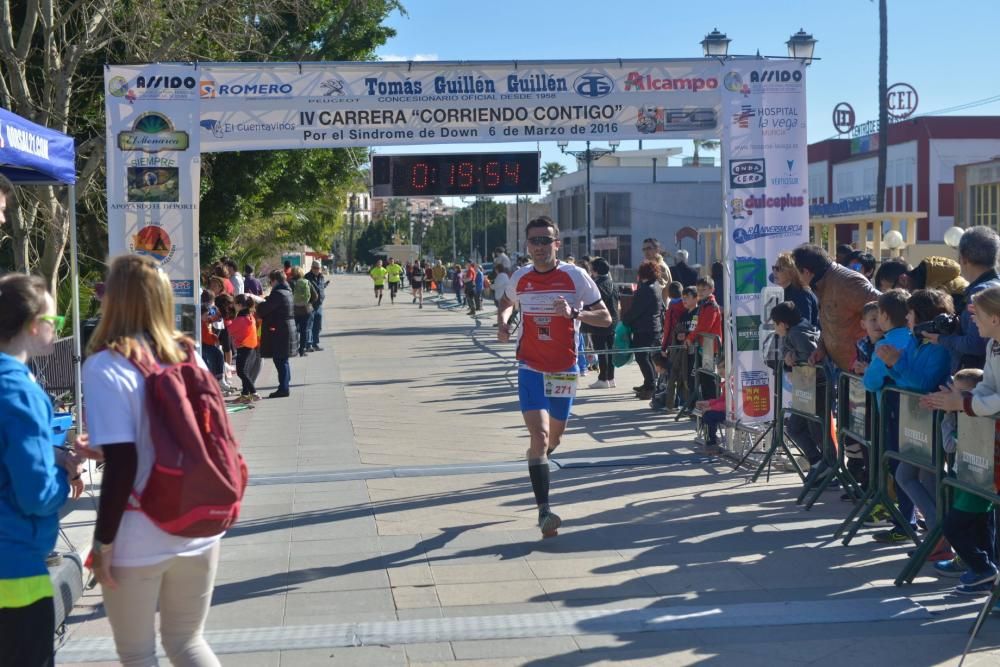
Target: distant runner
[417,283]
[378,274]
[554,298]
[394,271]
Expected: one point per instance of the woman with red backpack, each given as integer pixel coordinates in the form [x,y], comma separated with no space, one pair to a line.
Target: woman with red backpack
[159,523]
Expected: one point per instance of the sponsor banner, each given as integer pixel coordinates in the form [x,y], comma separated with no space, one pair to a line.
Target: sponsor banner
[154,171]
[766,210]
[319,105]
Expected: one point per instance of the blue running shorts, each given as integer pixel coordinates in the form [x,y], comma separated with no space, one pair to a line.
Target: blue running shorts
[531,393]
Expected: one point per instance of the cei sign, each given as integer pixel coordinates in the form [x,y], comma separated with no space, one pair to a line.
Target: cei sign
[901,100]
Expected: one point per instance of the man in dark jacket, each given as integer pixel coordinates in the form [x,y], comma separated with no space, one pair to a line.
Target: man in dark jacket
[319,281]
[683,273]
[978,252]
[278,331]
[603,338]
[645,318]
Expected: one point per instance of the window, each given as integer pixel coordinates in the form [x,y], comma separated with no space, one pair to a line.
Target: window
[579,217]
[611,209]
[986,205]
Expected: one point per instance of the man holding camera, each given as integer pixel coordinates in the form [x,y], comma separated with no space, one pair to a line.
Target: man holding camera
[978,252]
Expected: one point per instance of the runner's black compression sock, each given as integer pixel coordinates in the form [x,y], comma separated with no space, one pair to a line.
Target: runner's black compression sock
[538,471]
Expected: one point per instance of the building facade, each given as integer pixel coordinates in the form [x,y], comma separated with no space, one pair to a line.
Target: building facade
[630,203]
[920,170]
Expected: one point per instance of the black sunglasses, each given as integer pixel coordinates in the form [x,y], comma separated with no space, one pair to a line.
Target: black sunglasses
[541,240]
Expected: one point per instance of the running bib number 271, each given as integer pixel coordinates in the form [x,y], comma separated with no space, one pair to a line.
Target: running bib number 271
[560,385]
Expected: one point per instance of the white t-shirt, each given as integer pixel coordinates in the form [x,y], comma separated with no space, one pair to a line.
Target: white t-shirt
[115,413]
[238,283]
[500,285]
[502,260]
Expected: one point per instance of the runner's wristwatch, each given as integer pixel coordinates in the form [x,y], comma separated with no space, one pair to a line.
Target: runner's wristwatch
[574,313]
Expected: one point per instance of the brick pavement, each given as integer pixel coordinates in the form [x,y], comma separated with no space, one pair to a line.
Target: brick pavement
[364,542]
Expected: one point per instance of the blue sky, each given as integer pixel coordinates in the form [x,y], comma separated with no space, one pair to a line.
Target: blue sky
[946,50]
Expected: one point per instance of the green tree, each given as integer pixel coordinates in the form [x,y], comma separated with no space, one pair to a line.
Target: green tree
[52,57]
[706,144]
[551,171]
[378,233]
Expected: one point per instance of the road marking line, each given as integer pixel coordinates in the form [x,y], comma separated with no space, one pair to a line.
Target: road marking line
[519,626]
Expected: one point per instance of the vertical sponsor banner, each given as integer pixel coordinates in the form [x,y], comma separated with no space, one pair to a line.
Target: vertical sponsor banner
[154,173]
[765,184]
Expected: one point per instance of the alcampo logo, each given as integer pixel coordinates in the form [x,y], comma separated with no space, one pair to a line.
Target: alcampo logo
[642,82]
[593,84]
[754,232]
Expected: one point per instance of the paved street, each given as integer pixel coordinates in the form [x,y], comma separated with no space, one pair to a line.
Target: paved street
[390,521]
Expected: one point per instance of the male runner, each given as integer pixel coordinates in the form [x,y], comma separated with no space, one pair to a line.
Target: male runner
[378,274]
[553,297]
[394,271]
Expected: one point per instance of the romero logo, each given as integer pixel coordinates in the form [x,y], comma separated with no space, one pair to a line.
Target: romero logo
[593,85]
[747,173]
[153,241]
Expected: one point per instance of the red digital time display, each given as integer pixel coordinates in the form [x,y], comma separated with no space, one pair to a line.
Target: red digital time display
[455,175]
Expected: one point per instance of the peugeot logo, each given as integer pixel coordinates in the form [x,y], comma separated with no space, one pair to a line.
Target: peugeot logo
[593,85]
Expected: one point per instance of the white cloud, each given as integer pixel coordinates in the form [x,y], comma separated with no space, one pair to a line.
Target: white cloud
[417,57]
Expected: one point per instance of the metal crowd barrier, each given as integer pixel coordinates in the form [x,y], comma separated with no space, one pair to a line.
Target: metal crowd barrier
[919,433]
[854,421]
[976,474]
[811,401]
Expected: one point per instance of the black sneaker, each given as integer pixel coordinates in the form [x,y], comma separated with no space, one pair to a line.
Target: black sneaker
[315,348]
[278,394]
[891,536]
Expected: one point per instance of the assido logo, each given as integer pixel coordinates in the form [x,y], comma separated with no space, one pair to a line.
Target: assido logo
[593,84]
[747,173]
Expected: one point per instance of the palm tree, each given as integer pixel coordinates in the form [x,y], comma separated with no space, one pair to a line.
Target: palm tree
[551,171]
[883,111]
[708,145]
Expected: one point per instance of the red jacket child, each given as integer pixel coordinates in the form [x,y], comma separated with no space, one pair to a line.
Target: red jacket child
[709,319]
[671,316]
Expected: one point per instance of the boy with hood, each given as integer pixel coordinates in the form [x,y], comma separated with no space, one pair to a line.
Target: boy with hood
[799,339]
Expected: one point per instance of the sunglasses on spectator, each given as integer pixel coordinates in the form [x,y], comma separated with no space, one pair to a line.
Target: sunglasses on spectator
[541,240]
[57,321]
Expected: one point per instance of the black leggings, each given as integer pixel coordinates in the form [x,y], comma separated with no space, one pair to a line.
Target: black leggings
[247,368]
[27,635]
[645,339]
[604,362]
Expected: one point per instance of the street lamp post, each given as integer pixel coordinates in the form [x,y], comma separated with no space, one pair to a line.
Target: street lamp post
[454,239]
[589,155]
[350,242]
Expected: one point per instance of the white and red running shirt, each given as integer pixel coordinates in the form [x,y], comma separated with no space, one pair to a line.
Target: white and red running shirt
[547,342]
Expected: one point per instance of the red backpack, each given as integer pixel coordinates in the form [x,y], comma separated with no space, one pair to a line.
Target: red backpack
[198,475]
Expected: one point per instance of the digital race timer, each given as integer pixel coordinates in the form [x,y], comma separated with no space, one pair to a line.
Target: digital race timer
[455,175]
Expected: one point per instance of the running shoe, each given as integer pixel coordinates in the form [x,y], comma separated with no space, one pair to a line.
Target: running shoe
[983,588]
[891,536]
[879,514]
[549,523]
[256,397]
[600,384]
[971,578]
[611,383]
[950,568]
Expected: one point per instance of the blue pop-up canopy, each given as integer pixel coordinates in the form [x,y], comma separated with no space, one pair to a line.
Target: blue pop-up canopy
[34,155]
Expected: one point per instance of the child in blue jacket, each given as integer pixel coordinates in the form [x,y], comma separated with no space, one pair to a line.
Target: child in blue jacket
[914,364]
[34,477]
